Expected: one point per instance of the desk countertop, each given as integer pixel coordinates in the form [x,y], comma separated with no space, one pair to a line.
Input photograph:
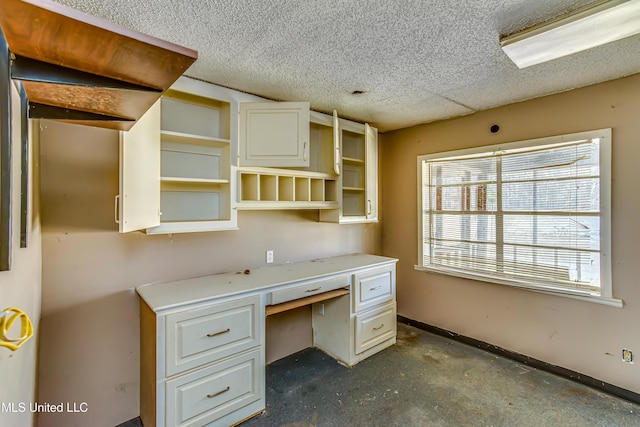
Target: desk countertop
[167,295]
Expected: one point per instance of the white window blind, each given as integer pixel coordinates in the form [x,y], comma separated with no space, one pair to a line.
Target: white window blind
[532,214]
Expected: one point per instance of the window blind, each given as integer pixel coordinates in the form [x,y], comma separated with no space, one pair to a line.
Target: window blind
[525,215]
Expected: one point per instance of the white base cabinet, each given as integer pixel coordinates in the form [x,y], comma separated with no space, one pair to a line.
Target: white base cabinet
[370,312]
[202,340]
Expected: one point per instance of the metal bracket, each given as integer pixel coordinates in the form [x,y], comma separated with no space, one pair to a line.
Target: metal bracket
[27,69]
[5,156]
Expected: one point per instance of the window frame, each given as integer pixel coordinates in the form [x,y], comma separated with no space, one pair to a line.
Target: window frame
[606,290]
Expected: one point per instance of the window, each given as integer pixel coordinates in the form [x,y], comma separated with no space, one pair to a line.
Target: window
[532,214]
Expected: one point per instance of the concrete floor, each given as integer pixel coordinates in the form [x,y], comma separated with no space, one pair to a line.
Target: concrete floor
[428,380]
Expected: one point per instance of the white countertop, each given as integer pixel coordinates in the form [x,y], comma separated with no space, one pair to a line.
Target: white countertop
[162,296]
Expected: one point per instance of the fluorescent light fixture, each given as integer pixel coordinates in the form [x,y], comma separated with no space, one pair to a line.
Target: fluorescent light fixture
[595,25]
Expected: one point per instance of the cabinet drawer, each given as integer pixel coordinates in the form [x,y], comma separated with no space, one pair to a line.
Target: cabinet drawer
[308,289]
[209,394]
[372,288]
[204,335]
[375,326]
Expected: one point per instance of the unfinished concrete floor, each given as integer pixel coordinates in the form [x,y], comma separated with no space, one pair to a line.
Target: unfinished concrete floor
[428,380]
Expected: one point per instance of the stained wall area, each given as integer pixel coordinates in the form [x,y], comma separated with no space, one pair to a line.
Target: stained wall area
[20,286]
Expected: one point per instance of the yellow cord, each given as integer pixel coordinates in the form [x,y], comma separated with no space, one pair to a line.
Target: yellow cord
[7,317]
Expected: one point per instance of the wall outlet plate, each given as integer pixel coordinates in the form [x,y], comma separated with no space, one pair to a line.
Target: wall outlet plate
[269,257]
[627,355]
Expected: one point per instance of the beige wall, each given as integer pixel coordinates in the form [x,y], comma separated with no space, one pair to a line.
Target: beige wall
[581,336]
[20,288]
[89,339]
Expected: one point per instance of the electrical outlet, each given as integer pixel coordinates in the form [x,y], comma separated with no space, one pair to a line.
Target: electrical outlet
[269,257]
[627,355]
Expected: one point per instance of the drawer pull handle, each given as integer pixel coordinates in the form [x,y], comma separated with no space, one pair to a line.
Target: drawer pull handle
[375,287]
[379,327]
[211,396]
[219,333]
[314,289]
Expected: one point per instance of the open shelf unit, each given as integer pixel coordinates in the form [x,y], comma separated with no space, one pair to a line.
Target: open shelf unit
[353,174]
[268,188]
[195,163]
[358,162]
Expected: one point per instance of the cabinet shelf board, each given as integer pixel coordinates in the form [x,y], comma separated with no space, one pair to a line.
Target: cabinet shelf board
[170,227]
[193,180]
[352,160]
[285,172]
[187,138]
[285,204]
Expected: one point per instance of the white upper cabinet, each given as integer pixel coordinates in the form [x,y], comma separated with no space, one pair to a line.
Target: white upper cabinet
[138,204]
[371,161]
[178,158]
[274,134]
[310,187]
[357,157]
[204,151]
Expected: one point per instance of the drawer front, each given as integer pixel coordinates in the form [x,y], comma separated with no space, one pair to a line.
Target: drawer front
[208,394]
[308,289]
[372,288]
[375,326]
[204,335]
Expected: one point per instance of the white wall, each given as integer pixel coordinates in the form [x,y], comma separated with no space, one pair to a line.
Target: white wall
[581,336]
[20,288]
[89,335]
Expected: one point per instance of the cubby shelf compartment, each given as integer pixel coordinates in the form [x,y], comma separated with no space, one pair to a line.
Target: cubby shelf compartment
[269,188]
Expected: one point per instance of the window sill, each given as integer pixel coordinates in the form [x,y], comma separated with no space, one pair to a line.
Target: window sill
[582,296]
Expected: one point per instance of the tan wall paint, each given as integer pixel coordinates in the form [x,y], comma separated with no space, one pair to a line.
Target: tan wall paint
[20,288]
[89,338]
[581,336]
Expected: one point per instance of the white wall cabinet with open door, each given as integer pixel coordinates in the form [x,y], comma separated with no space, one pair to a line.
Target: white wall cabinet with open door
[358,180]
[176,169]
[204,151]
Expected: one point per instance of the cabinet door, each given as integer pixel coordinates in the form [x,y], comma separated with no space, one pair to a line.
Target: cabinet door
[336,143]
[274,134]
[139,198]
[371,161]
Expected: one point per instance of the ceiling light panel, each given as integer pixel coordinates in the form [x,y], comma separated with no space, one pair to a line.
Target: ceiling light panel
[599,24]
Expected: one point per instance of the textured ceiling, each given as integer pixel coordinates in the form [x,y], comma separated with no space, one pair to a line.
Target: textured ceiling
[415,60]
